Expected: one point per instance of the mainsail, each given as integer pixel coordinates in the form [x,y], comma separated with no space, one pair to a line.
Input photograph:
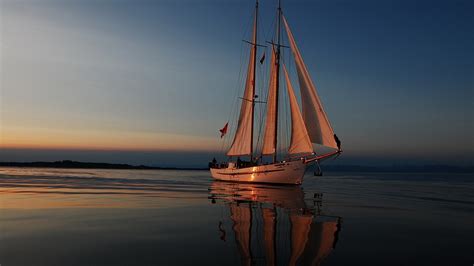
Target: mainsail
[300,142]
[242,144]
[269,137]
[315,119]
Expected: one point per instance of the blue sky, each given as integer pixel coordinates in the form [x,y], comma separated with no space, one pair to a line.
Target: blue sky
[396,77]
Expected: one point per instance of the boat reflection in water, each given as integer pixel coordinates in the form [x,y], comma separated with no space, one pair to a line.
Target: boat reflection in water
[274,225]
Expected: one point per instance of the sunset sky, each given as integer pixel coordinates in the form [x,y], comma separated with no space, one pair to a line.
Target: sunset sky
[142,81]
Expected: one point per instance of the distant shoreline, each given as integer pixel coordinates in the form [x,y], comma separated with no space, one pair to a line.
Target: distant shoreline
[68,164]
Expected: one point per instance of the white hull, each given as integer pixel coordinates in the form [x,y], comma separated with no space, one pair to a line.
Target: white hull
[278,173]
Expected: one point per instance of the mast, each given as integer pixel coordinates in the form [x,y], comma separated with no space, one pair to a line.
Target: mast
[277,79]
[253,78]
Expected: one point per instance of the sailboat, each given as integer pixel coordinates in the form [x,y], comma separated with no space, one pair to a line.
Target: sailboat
[308,126]
[274,225]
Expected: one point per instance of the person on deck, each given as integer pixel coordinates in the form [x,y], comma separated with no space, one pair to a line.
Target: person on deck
[213,163]
[338,142]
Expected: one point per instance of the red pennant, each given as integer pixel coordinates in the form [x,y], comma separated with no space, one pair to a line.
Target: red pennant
[224,130]
[262,59]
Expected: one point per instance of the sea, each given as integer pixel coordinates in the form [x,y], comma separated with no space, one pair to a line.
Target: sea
[183,217]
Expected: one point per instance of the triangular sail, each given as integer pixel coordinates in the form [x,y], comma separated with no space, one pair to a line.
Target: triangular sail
[242,144]
[300,141]
[315,119]
[269,137]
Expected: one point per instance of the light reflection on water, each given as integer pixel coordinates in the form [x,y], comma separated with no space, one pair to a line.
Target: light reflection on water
[61,188]
[143,217]
[274,225]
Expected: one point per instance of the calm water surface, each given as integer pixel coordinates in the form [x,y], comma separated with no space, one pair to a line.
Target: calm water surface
[134,217]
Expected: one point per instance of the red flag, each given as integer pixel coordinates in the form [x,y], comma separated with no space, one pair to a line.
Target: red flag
[224,130]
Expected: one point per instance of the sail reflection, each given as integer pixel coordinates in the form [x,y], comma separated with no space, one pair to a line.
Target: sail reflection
[274,225]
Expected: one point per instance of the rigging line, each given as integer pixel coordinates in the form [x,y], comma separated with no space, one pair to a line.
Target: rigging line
[264,87]
[280,125]
[273,27]
[262,108]
[277,85]
[285,108]
[286,113]
[263,91]
[288,126]
[281,114]
[259,108]
[285,99]
[241,82]
[257,92]
[231,114]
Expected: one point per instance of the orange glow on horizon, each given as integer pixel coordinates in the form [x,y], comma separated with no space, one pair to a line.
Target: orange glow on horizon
[21,138]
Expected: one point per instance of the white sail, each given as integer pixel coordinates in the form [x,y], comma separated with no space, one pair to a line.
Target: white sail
[300,141]
[269,137]
[315,119]
[242,144]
